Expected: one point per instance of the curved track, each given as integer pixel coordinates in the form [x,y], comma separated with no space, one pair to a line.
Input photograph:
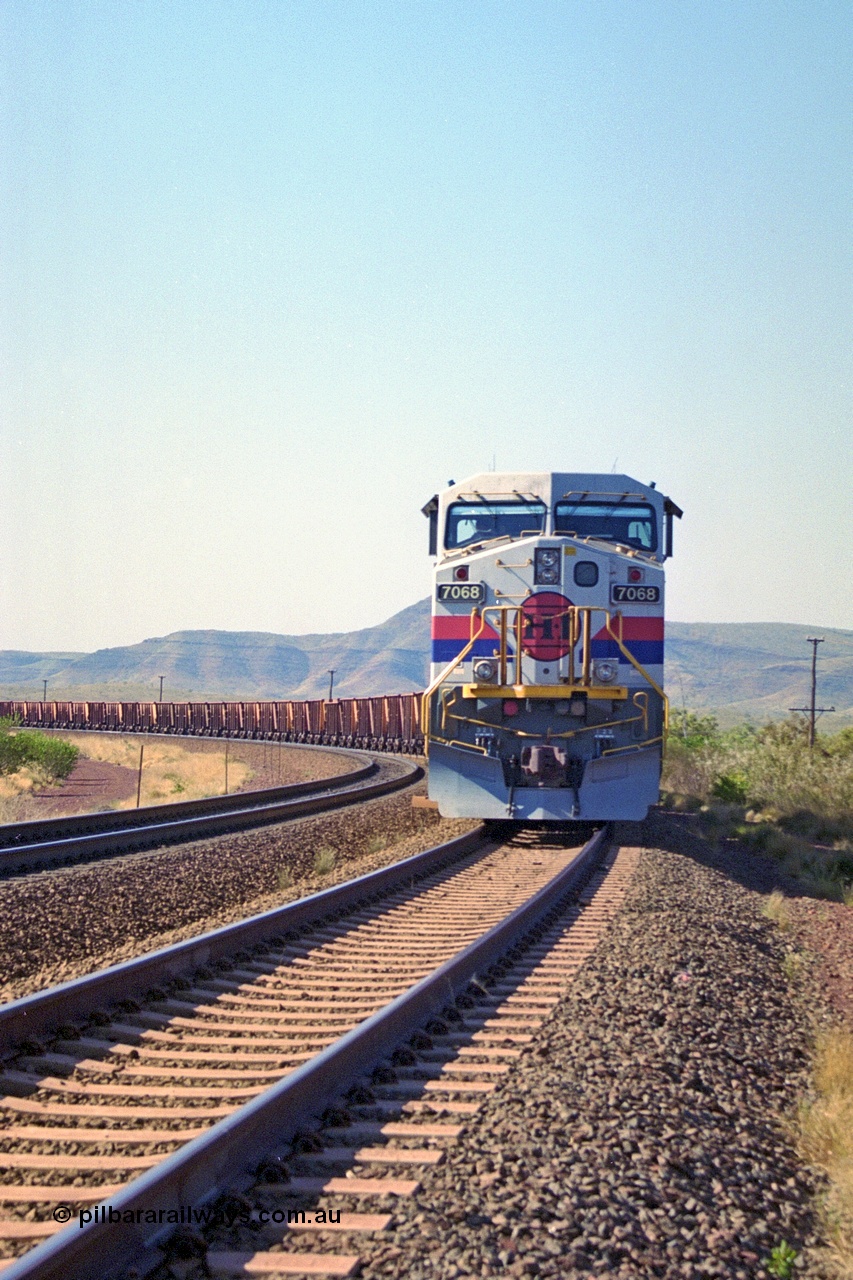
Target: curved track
[27,846]
[148,1085]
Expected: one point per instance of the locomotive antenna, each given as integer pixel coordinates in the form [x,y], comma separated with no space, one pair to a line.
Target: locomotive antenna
[812,711]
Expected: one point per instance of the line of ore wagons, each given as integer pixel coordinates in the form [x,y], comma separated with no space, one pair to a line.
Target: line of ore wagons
[389,723]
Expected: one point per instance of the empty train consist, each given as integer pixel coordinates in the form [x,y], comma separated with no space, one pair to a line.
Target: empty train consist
[391,723]
[546,696]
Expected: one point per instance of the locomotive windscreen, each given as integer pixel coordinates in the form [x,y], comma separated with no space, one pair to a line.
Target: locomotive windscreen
[481,520]
[633,526]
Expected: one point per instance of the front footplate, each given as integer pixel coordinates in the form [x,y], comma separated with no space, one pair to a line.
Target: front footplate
[468,784]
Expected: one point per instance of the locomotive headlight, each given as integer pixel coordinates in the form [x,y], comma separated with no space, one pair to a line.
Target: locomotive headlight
[546,566]
[484,671]
[606,670]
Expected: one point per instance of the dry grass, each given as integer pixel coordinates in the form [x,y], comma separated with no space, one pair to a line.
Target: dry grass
[324,860]
[776,909]
[13,785]
[16,805]
[169,771]
[825,1139]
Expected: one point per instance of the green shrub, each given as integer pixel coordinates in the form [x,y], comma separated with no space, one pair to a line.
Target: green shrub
[730,788]
[800,798]
[54,758]
[51,758]
[810,792]
[13,753]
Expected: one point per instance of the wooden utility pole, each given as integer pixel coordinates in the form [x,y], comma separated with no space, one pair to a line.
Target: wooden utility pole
[813,711]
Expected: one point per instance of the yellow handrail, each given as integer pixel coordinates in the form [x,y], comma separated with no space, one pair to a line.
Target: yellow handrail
[580,620]
[634,663]
[460,657]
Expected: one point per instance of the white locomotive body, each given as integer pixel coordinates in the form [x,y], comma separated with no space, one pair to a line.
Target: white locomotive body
[546,697]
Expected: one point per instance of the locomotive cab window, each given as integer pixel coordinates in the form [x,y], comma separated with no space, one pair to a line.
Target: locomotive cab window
[469,522]
[633,525]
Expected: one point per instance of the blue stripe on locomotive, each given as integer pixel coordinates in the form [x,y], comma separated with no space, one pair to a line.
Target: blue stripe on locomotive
[446,650]
[648,653]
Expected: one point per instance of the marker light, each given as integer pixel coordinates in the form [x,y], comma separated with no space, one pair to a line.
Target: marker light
[510,707]
[484,670]
[460,573]
[635,574]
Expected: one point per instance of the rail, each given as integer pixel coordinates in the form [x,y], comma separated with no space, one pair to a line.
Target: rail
[22,833]
[230,1150]
[117,833]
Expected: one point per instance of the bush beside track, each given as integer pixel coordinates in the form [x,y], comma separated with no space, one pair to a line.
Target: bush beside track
[766,788]
[49,759]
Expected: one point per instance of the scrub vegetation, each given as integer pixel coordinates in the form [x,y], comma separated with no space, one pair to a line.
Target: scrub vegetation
[767,788]
[33,758]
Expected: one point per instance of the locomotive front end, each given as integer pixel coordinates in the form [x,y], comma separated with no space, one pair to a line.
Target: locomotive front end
[546,697]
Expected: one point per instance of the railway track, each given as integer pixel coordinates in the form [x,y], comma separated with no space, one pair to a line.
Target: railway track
[27,846]
[187,1069]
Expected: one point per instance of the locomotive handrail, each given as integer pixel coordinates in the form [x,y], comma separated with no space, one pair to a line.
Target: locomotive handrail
[576,614]
[580,628]
[643,717]
[451,666]
[634,663]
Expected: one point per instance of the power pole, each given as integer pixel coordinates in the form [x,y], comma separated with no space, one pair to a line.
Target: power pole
[162,678]
[331,681]
[813,711]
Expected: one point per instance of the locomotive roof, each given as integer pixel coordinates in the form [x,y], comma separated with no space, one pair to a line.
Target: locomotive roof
[551,486]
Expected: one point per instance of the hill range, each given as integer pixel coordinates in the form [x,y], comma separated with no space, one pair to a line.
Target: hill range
[741,671]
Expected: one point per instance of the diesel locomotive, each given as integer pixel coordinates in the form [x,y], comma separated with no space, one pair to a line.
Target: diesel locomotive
[546,698]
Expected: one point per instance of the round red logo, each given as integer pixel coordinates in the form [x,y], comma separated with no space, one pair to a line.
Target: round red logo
[545,633]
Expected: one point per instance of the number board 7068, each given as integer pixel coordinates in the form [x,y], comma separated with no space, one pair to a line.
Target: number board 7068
[460,592]
[620,594]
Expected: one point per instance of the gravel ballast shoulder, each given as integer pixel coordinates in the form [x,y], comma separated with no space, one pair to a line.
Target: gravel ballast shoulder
[63,923]
[643,1133]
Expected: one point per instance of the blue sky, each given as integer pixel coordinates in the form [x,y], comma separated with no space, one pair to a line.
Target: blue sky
[274,272]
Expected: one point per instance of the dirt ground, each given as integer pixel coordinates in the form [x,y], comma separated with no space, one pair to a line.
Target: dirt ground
[825,930]
[103,783]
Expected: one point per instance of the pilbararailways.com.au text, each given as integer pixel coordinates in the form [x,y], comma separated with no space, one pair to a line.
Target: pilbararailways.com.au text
[190,1215]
